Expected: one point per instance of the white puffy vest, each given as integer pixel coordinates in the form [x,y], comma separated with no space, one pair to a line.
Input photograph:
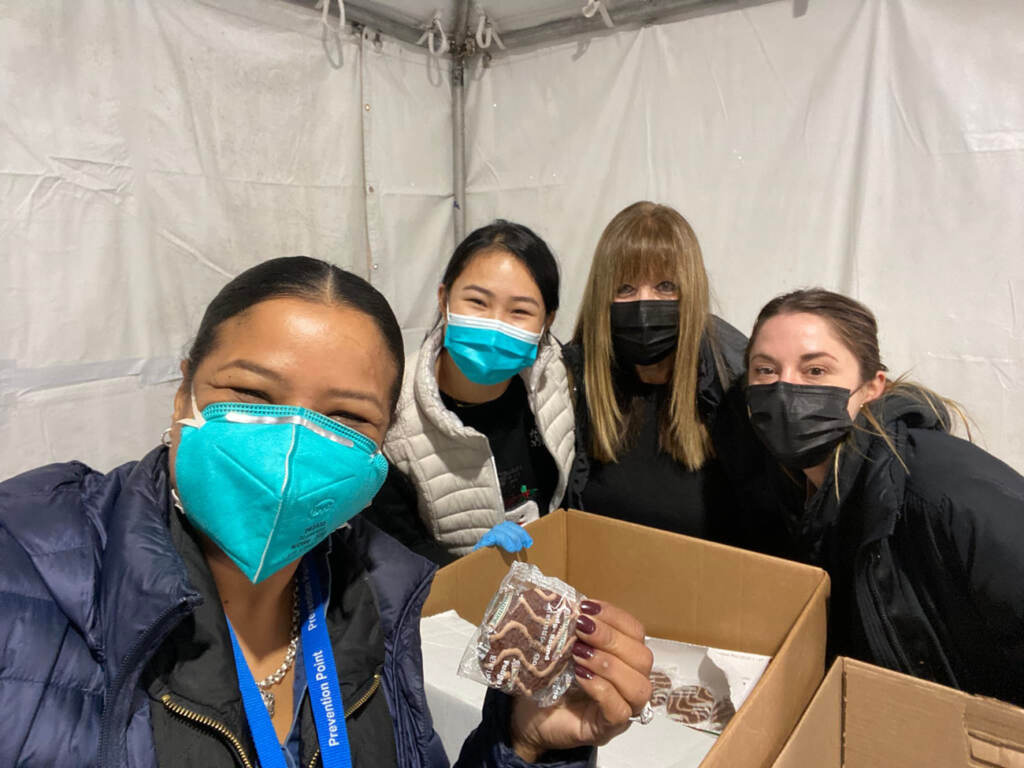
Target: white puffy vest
[451,466]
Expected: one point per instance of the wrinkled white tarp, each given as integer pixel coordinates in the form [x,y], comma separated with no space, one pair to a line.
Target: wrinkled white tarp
[149,150]
[874,147]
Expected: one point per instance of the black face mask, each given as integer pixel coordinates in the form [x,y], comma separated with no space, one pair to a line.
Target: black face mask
[643,332]
[800,424]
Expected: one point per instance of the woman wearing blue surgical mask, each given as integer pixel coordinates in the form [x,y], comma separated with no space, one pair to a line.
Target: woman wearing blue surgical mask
[483,439]
[222,603]
[922,533]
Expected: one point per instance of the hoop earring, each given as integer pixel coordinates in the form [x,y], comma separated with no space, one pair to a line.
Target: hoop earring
[165,437]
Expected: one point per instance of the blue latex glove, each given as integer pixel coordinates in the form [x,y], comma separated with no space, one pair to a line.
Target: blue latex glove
[508,535]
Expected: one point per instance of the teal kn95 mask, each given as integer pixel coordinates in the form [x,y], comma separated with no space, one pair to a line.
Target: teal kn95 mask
[269,482]
[488,351]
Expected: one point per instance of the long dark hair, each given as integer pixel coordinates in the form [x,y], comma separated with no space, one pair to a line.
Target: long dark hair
[299,277]
[523,243]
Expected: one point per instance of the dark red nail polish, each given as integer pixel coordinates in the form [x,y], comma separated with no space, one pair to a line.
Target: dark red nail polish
[582,650]
[589,606]
[583,672]
[586,625]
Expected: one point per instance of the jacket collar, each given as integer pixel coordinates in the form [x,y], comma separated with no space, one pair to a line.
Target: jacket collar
[143,576]
[428,396]
[196,662]
[868,467]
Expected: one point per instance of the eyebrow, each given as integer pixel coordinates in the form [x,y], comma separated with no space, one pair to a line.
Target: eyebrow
[812,355]
[490,294]
[248,365]
[353,394]
[803,358]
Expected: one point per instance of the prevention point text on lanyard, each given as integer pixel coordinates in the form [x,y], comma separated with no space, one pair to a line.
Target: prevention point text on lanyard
[321,680]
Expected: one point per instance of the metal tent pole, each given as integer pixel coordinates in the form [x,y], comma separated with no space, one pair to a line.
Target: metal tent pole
[626,14]
[459,55]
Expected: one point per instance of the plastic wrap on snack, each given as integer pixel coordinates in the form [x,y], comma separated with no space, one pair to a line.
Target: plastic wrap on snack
[524,644]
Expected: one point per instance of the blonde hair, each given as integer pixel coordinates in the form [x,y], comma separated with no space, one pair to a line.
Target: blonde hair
[645,241]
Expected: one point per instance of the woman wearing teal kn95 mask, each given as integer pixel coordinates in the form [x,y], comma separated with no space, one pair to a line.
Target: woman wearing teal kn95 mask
[222,602]
[483,440]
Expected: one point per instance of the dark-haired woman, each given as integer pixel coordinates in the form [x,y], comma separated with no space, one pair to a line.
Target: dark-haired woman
[483,438]
[219,603]
[650,367]
[921,532]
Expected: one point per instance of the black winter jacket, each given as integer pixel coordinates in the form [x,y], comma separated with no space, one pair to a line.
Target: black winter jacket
[926,559]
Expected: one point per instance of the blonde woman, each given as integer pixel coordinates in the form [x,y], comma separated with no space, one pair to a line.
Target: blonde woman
[650,367]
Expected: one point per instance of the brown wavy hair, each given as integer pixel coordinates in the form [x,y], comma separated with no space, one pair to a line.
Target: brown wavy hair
[645,241]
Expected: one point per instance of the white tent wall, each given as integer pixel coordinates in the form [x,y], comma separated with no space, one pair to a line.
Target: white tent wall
[874,147]
[151,150]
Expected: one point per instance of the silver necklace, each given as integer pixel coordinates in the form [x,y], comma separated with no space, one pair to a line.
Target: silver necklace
[293,645]
[289,658]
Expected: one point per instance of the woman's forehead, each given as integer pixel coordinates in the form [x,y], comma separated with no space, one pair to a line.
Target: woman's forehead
[500,273]
[306,340]
[798,333]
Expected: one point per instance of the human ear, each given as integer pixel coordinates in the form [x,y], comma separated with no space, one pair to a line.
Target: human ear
[442,301]
[874,388]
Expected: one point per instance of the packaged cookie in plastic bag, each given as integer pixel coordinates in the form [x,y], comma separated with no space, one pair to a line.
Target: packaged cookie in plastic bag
[524,644]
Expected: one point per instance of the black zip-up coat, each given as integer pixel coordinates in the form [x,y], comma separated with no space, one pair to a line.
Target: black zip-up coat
[926,559]
[102,615]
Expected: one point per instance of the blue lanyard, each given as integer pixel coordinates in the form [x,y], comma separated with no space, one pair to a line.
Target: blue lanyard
[322,682]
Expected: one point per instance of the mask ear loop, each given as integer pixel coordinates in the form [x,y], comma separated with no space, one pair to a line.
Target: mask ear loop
[197,419]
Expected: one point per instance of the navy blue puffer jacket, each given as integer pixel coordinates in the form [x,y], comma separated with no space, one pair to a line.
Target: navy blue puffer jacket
[90,586]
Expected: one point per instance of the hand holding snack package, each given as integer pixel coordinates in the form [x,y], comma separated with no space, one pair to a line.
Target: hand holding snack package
[540,640]
[524,645]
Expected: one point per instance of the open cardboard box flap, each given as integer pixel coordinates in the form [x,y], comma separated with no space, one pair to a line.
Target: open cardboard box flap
[681,589]
[864,716]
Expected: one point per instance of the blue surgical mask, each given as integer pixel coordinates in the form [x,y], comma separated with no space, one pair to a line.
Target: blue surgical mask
[269,482]
[488,351]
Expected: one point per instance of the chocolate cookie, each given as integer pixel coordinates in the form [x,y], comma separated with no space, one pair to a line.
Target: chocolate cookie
[690,704]
[529,641]
[661,685]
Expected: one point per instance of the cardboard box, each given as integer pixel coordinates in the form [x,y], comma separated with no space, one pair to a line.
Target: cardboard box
[865,716]
[681,589]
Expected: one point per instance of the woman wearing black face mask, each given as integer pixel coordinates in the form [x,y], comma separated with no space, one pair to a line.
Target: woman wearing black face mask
[921,532]
[650,365]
